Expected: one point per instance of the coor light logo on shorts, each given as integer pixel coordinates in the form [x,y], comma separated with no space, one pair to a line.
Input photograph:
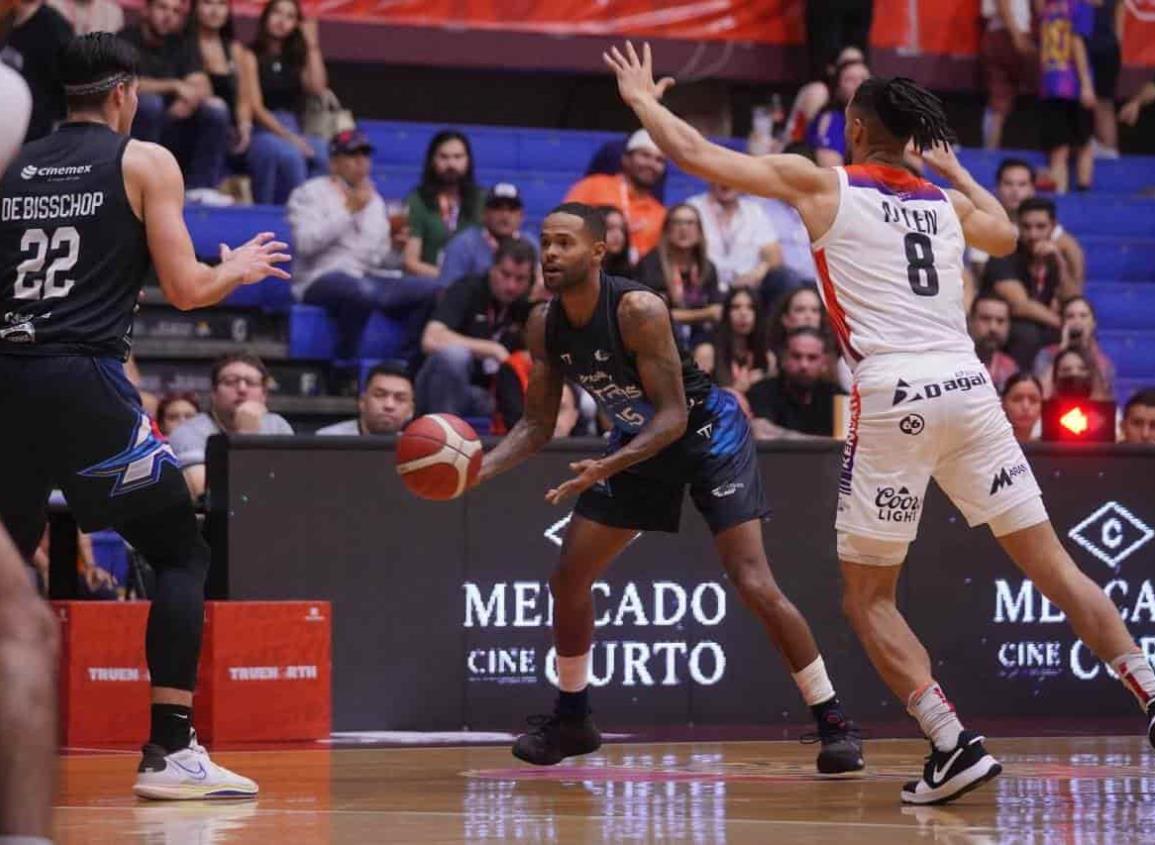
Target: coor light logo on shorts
[897,505]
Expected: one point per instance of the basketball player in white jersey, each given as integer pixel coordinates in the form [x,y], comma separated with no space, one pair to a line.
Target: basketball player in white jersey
[888,246]
[28,630]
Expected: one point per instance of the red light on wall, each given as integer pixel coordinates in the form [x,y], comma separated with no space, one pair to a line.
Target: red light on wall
[1075,421]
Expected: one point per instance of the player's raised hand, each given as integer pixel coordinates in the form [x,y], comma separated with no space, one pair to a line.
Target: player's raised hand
[257,259]
[589,473]
[636,74]
[942,158]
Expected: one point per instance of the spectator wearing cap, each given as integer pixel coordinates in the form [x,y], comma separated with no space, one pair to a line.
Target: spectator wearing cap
[385,405]
[470,252]
[631,191]
[341,237]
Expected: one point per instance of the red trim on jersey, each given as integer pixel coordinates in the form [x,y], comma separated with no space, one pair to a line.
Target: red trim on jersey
[893,181]
[833,308]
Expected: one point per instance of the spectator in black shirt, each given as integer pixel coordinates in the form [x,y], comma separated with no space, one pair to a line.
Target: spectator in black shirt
[176,106]
[617,261]
[38,33]
[1033,279]
[678,268]
[799,399]
[476,325]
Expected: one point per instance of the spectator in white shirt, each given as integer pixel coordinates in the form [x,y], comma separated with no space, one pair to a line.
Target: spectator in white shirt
[341,237]
[740,239]
[384,407]
[793,241]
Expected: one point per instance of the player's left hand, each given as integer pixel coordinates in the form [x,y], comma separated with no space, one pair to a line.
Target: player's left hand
[636,75]
[942,158]
[589,473]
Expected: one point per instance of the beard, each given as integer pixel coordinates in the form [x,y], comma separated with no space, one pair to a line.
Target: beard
[450,178]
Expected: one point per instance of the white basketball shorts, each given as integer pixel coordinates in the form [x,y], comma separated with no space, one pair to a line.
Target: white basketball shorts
[916,418]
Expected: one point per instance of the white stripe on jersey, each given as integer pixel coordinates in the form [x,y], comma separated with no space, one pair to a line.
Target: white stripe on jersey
[890,266]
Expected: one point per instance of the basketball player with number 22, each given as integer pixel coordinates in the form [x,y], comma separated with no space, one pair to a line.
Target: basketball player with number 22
[888,246]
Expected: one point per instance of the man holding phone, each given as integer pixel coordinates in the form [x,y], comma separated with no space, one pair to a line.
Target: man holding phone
[341,240]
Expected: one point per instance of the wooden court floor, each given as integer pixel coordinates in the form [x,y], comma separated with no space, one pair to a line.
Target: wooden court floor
[1060,790]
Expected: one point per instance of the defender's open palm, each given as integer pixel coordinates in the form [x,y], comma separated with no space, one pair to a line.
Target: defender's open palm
[257,259]
[636,75]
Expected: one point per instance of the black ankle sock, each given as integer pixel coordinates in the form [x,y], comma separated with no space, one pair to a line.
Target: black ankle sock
[574,704]
[828,712]
[171,726]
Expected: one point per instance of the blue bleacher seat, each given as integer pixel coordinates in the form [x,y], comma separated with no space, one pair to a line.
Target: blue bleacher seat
[313,335]
[110,554]
[1133,351]
[1123,305]
[1115,259]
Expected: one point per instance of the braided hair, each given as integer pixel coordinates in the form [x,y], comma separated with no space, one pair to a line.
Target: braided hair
[906,110]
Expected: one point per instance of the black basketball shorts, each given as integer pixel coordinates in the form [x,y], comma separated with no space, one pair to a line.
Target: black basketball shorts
[76,423]
[717,459]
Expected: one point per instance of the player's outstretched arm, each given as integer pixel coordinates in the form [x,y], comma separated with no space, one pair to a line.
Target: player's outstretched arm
[984,220]
[542,398]
[791,178]
[156,189]
[644,321]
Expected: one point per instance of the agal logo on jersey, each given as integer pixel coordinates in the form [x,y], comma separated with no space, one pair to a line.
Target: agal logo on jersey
[905,392]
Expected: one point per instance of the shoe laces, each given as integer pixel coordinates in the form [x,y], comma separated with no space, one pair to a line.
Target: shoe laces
[838,730]
[543,722]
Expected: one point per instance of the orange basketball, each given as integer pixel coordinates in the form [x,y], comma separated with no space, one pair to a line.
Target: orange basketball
[438,456]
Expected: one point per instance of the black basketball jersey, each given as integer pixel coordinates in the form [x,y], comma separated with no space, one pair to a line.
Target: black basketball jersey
[73,255]
[595,357]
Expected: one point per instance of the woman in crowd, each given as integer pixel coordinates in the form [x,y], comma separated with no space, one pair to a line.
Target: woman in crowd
[617,260]
[1023,405]
[210,28]
[1080,331]
[802,307]
[740,353]
[174,409]
[679,270]
[283,66]
[1074,375]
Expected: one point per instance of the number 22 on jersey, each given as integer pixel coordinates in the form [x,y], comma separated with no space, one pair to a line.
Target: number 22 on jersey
[60,248]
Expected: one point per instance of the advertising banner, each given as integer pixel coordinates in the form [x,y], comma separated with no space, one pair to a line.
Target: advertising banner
[442,611]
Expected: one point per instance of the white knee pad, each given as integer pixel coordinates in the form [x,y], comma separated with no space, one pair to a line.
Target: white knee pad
[17,107]
[1020,516]
[870,551]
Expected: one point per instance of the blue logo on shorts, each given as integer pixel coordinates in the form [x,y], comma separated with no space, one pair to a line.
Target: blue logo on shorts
[138,466]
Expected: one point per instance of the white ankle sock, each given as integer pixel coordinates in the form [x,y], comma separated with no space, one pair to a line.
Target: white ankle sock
[1137,676]
[936,716]
[573,673]
[813,683]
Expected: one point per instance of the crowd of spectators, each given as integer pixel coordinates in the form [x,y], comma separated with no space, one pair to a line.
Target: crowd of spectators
[453,262]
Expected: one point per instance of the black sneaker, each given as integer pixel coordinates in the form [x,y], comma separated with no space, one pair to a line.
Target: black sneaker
[554,737]
[841,740]
[1151,723]
[951,774]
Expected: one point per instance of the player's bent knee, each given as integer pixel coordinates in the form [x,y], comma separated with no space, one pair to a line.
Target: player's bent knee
[871,551]
[1025,514]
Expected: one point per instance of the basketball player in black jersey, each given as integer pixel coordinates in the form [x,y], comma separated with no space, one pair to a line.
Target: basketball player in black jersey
[84,212]
[672,427]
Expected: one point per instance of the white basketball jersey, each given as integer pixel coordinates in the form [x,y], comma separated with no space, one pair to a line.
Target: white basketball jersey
[890,266]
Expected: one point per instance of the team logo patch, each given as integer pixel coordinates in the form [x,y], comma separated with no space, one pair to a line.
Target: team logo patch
[1006,477]
[906,393]
[912,424]
[139,465]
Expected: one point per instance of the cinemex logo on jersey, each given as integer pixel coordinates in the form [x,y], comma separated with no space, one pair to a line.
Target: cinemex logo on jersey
[897,505]
[31,171]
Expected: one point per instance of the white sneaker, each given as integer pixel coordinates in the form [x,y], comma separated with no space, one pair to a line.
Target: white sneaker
[187,775]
